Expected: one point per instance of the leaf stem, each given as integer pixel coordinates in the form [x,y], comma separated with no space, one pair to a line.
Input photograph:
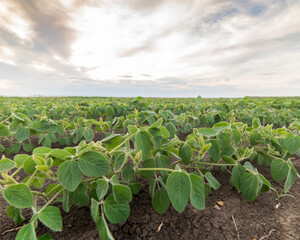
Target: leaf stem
[51,200]
[122,143]
[157,169]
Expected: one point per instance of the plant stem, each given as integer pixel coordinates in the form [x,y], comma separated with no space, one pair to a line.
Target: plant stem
[157,169]
[51,200]
[122,143]
[217,164]
[31,177]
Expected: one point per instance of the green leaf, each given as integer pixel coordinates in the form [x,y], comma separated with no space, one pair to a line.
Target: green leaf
[6,164]
[164,131]
[101,189]
[213,182]
[279,169]
[221,126]
[18,196]
[116,212]
[26,233]
[20,159]
[128,173]
[69,175]
[22,134]
[15,213]
[291,177]
[178,187]
[60,153]
[88,134]
[215,150]
[249,185]
[132,129]
[256,123]
[80,196]
[292,143]
[41,126]
[112,140]
[161,201]
[29,165]
[66,200]
[236,136]
[51,218]
[237,173]
[143,143]
[121,160]
[197,194]
[94,164]
[266,185]
[103,229]
[95,210]
[148,163]
[185,153]
[4,132]
[121,193]
[46,236]
[208,132]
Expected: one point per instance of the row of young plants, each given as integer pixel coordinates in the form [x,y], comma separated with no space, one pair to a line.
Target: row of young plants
[106,174]
[69,124]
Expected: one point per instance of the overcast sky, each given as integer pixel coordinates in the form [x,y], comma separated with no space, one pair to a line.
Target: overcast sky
[159,48]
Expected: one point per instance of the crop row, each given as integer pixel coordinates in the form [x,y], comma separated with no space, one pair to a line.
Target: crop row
[107,173]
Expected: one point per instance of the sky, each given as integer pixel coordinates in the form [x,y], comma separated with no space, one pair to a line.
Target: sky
[157,48]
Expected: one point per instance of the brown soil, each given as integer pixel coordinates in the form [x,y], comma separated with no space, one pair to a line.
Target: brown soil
[237,219]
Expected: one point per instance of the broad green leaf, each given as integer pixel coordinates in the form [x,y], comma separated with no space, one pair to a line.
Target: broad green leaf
[215,150]
[290,179]
[135,187]
[94,164]
[197,194]
[148,163]
[69,175]
[249,185]
[88,134]
[66,200]
[116,212]
[41,126]
[22,134]
[279,169]
[18,196]
[27,232]
[112,140]
[224,140]
[6,164]
[266,185]
[185,153]
[213,182]
[208,132]
[4,132]
[292,143]
[51,218]
[60,153]
[80,196]
[143,143]
[20,159]
[161,201]
[128,173]
[103,229]
[121,160]
[178,187]
[221,126]
[95,210]
[15,213]
[121,193]
[164,131]
[236,136]
[101,189]
[237,173]
[132,129]
[46,236]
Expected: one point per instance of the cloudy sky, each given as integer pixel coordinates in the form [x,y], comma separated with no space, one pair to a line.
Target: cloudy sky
[159,48]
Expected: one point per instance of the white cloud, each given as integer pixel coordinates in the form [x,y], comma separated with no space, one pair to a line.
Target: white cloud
[248,48]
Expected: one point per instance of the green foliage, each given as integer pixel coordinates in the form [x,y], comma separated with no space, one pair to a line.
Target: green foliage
[172,143]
